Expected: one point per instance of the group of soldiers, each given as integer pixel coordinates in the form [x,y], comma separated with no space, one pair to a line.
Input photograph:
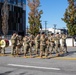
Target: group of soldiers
[39,45]
[2,50]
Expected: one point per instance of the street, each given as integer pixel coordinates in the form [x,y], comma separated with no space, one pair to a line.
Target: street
[63,65]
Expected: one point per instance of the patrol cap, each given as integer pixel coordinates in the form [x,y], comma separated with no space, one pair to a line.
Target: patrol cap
[14,32]
[62,33]
[38,33]
[43,32]
[57,33]
[51,33]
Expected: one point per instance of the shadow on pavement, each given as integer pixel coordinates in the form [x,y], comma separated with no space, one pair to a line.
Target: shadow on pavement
[69,53]
[6,73]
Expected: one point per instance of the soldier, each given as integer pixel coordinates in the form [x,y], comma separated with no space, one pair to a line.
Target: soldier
[2,49]
[52,43]
[13,43]
[43,45]
[19,44]
[64,46]
[0,43]
[57,44]
[27,46]
[37,42]
[32,43]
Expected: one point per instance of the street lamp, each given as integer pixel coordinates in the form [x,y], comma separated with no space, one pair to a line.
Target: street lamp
[45,25]
[54,27]
[27,30]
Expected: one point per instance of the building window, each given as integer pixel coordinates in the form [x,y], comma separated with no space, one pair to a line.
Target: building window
[12,1]
[24,1]
[1,0]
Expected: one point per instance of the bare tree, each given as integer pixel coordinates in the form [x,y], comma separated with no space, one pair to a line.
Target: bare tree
[5,14]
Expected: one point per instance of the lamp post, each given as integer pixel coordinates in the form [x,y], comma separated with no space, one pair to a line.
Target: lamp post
[45,25]
[54,28]
[27,30]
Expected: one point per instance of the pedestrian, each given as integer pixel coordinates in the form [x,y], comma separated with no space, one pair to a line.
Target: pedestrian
[27,47]
[2,49]
[37,43]
[14,43]
[64,46]
[57,44]
[43,45]
[51,43]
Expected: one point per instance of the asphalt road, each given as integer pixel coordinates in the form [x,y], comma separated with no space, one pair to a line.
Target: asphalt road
[64,65]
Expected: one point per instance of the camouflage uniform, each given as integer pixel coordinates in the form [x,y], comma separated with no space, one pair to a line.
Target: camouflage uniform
[43,45]
[0,43]
[52,43]
[37,43]
[57,44]
[13,43]
[64,46]
[26,45]
[19,44]
[2,50]
[32,43]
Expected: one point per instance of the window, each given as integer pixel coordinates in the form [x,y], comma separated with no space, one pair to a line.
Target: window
[1,0]
[24,1]
[12,1]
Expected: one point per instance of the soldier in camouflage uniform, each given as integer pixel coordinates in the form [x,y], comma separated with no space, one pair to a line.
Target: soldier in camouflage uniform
[64,46]
[0,43]
[43,45]
[27,48]
[2,50]
[37,43]
[13,43]
[52,43]
[32,42]
[57,44]
[19,44]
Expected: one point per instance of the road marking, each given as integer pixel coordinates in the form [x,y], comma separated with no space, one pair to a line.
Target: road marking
[65,58]
[36,67]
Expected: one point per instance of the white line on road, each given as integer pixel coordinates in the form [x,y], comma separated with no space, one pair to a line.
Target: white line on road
[36,67]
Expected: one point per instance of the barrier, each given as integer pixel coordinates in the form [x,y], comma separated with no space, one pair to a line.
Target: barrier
[69,42]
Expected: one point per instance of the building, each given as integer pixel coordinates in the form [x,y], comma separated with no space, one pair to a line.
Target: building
[52,30]
[17,16]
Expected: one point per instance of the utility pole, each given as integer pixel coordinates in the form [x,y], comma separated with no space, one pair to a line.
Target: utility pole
[54,27]
[27,30]
[45,25]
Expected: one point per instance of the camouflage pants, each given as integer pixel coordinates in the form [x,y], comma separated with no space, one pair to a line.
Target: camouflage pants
[52,45]
[13,49]
[37,46]
[26,49]
[2,50]
[64,48]
[43,49]
[58,48]
[18,49]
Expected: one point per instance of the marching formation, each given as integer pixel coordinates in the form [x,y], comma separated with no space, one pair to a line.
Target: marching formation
[39,45]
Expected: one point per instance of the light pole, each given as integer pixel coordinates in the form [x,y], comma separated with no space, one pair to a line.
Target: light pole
[45,25]
[27,30]
[54,28]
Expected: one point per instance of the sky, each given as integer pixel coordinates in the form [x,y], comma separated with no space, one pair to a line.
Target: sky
[53,11]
